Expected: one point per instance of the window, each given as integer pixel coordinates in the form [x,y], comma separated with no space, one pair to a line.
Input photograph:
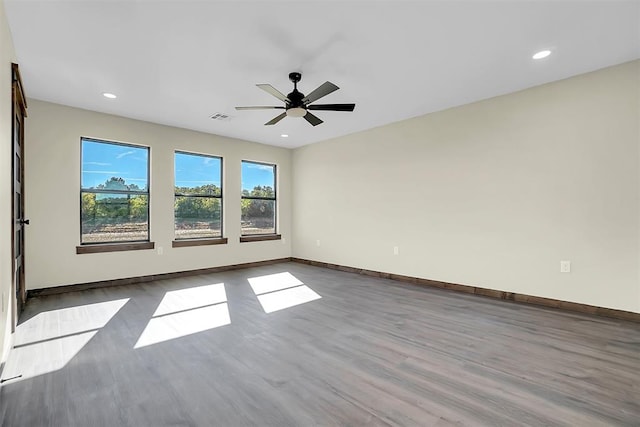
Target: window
[198,196]
[258,198]
[114,192]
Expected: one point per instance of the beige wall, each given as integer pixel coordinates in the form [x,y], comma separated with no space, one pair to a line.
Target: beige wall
[52,198]
[493,194]
[7,56]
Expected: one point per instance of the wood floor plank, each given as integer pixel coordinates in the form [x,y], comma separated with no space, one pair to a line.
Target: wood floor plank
[369,352]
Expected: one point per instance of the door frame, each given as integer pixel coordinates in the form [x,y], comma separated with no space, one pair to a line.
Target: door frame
[18,113]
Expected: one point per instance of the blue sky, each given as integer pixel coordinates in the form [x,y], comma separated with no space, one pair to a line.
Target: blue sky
[192,170]
[101,161]
[254,174]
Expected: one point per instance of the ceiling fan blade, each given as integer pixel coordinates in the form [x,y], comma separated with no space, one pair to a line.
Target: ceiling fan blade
[314,120]
[273,91]
[260,108]
[276,119]
[332,107]
[324,89]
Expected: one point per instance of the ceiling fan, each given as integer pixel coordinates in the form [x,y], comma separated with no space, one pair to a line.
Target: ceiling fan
[296,104]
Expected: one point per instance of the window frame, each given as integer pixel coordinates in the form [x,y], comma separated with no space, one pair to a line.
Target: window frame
[254,237]
[116,245]
[179,242]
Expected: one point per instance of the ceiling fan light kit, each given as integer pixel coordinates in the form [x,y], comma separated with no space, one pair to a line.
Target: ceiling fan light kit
[297,104]
[296,112]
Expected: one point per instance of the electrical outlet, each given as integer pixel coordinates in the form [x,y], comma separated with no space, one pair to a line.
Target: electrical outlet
[395,250]
[565,266]
[160,250]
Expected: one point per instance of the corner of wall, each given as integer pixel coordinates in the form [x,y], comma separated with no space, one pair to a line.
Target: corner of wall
[483,195]
[7,56]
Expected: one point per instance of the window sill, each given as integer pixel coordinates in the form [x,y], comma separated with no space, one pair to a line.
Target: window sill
[260,237]
[113,247]
[199,242]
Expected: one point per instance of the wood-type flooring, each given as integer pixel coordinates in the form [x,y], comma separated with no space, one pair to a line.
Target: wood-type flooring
[296,345]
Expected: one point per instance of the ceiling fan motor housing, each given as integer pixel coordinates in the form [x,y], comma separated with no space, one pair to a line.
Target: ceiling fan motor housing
[295,106]
[295,99]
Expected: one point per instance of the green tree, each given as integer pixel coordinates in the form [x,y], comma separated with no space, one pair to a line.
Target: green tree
[101,208]
[260,211]
[88,205]
[138,206]
[190,210]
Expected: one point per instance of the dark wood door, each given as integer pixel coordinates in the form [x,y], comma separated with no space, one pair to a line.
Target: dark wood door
[19,220]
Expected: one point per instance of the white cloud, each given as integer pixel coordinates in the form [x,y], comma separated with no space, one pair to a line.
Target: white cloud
[259,166]
[126,153]
[208,161]
[106,172]
[196,181]
[97,163]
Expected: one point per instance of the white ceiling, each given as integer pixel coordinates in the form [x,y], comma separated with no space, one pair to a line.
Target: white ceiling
[178,62]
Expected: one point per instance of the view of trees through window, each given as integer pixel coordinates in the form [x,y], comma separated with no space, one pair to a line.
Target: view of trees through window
[114,192]
[198,196]
[258,205]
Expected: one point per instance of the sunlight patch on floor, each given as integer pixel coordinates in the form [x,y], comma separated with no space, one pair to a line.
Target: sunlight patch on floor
[282,290]
[48,341]
[187,311]
[286,298]
[66,321]
[187,299]
[273,282]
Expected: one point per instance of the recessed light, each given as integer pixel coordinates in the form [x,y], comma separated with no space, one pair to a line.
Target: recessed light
[109,95]
[542,54]
[284,135]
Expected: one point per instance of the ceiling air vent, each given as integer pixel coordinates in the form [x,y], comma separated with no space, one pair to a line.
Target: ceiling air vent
[221,117]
